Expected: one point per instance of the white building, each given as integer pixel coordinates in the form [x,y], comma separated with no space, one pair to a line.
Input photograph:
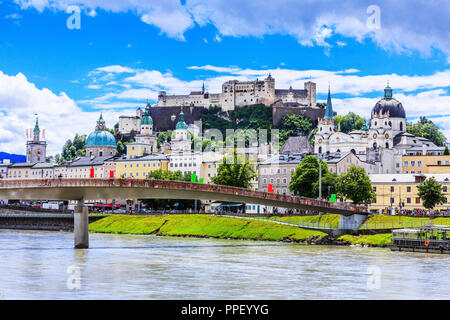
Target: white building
[382,146]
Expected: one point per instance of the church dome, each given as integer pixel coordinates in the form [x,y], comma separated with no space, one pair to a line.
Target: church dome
[181,124]
[146,118]
[100,139]
[389,105]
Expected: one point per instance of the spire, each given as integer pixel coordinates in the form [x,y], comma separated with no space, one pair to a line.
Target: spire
[329,111]
[388,92]
[36,126]
[100,123]
[203,87]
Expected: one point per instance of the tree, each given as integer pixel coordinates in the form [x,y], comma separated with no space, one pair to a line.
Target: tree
[446,151]
[431,193]
[292,125]
[350,122]
[427,129]
[356,186]
[305,178]
[239,173]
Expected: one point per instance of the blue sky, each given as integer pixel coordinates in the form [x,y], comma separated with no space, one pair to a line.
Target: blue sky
[127,50]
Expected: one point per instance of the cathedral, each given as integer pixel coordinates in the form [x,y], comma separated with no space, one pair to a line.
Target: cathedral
[384,143]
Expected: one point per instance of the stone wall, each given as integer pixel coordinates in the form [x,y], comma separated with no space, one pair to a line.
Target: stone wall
[162,116]
[279,111]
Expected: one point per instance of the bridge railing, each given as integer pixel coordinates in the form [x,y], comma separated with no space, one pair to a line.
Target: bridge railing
[180,185]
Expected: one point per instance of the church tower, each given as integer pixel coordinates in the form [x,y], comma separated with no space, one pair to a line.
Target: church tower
[146,140]
[181,141]
[36,148]
[325,128]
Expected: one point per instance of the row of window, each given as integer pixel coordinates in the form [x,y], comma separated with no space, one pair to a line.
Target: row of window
[272,171]
[145,165]
[419,163]
[408,189]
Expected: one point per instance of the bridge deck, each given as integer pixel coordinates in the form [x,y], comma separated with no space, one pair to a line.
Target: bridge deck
[95,189]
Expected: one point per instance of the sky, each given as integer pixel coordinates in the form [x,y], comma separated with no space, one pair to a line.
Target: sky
[116,54]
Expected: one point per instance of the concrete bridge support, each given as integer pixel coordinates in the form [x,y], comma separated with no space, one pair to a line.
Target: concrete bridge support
[350,223]
[81,226]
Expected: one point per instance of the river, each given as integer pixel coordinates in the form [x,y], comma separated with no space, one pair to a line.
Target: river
[43,265]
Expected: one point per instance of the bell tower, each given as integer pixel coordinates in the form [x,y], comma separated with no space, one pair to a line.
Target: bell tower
[36,148]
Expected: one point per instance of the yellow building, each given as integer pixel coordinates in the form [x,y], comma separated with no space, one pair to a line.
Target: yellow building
[400,190]
[426,164]
[138,149]
[139,168]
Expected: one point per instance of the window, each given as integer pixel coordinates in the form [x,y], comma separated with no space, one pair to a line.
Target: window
[413,163]
[439,163]
[374,189]
[405,164]
[408,189]
[408,200]
[392,189]
[417,200]
[444,189]
[419,163]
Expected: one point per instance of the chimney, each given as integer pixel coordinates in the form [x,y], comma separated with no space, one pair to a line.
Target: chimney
[424,150]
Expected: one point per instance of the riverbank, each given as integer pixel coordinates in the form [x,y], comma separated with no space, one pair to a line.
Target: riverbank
[207,226]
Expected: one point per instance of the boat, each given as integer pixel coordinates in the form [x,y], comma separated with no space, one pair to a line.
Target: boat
[430,239]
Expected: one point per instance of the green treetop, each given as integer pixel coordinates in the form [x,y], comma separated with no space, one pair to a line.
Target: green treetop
[431,194]
[235,172]
[356,186]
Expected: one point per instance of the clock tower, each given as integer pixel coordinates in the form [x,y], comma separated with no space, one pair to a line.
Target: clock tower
[36,148]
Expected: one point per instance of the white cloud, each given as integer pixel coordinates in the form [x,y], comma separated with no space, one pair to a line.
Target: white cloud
[405,24]
[59,115]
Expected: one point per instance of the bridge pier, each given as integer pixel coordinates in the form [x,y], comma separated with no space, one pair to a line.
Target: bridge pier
[350,223]
[81,226]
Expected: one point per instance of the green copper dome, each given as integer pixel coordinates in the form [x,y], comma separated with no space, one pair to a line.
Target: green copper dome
[146,118]
[100,139]
[181,124]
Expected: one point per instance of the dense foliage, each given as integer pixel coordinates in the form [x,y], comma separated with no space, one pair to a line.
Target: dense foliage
[431,193]
[305,178]
[356,186]
[427,129]
[293,125]
[235,172]
[73,148]
[350,122]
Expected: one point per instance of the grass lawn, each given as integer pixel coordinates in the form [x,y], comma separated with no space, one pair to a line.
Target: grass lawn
[201,226]
[378,240]
[378,221]
[326,220]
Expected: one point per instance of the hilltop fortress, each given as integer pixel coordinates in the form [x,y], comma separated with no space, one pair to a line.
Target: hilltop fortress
[234,94]
[242,93]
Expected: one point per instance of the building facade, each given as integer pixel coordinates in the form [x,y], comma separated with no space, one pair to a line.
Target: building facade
[399,191]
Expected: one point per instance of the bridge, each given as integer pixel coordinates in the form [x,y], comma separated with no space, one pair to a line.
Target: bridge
[82,190]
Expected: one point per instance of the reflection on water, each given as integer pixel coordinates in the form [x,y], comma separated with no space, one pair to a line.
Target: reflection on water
[39,265]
